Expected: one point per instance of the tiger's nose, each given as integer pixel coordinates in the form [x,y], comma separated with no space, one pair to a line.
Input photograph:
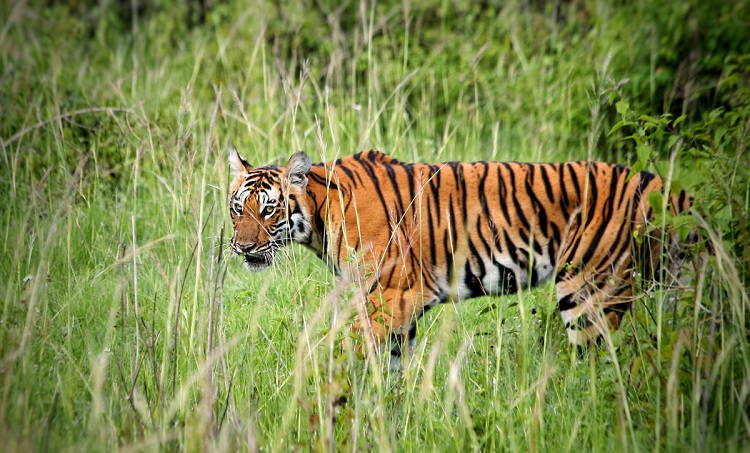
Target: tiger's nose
[241,248]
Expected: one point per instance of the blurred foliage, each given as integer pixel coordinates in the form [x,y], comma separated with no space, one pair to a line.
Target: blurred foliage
[124,109]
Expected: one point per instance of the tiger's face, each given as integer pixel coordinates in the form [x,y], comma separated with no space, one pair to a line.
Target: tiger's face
[267,208]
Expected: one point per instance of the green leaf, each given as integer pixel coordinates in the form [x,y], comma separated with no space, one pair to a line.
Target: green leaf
[684,222]
[635,137]
[656,200]
[616,127]
[684,231]
[715,113]
[719,134]
[644,154]
[635,169]
[679,120]
[622,107]
[675,187]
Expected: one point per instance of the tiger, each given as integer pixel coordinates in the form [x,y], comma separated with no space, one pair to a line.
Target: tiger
[428,233]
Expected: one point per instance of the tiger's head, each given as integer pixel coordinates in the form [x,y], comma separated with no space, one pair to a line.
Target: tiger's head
[267,207]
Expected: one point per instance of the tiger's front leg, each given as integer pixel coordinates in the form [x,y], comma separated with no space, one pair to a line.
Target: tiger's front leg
[388,319]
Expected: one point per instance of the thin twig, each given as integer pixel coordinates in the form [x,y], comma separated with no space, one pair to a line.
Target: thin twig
[226,403]
[270,343]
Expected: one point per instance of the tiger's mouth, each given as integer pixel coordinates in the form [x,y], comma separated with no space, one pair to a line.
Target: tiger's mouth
[258,262]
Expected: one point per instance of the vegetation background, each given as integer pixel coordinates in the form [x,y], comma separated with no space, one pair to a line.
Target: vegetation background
[125,323]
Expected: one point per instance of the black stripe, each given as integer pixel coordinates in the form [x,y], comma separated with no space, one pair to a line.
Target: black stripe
[574,248]
[619,172]
[472,282]
[396,190]
[567,302]
[574,179]
[516,204]
[606,216]
[462,190]
[349,174]
[480,262]
[546,182]
[431,227]
[409,170]
[322,181]
[564,202]
[681,201]
[376,184]
[452,220]
[645,179]
[556,238]
[537,205]
[594,193]
[511,248]
[435,186]
[480,188]
[448,257]
[503,196]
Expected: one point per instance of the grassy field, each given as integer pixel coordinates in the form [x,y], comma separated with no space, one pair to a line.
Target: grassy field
[127,324]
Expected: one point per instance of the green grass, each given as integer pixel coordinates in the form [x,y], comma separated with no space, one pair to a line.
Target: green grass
[126,323]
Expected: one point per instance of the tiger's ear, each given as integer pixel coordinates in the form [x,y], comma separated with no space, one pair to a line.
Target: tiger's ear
[238,163]
[296,169]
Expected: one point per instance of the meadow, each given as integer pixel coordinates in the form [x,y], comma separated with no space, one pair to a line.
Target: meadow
[127,324]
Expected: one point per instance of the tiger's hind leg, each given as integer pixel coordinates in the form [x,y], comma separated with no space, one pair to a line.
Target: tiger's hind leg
[592,304]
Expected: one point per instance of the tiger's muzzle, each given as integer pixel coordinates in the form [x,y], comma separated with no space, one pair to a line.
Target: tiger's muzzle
[255,259]
[258,262]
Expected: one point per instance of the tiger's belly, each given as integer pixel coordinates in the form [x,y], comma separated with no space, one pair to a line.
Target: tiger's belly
[476,275]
